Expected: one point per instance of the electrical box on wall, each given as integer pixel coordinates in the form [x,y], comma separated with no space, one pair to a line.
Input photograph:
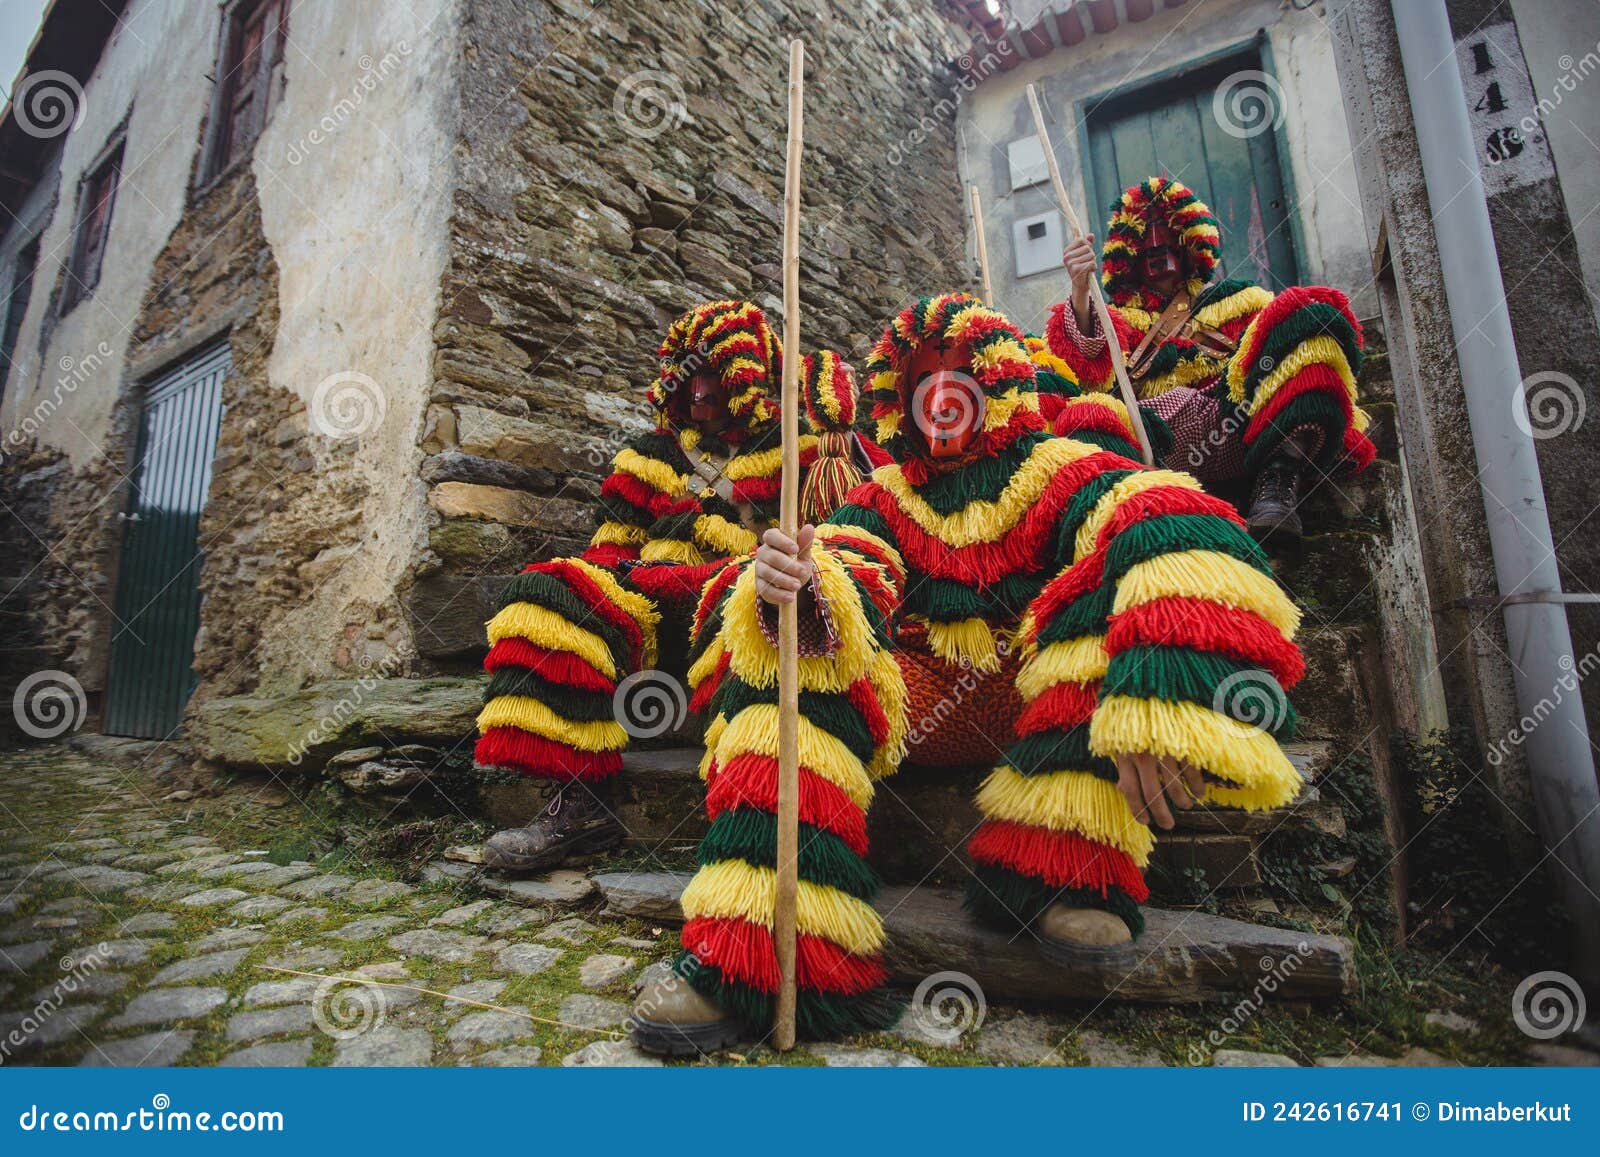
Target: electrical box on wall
[1026,160]
[1038,244]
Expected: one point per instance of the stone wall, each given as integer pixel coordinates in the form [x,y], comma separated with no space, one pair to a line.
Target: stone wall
[618,165]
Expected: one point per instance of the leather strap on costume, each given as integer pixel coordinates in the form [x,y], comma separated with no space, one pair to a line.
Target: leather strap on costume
[713,470]
[1176,321]
[1170,324]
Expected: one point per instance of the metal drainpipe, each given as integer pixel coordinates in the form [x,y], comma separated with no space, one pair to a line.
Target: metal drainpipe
[1560,759]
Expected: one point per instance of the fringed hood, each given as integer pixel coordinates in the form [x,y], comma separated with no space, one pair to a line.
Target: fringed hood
[1186,215]
[735,339]
[998,362]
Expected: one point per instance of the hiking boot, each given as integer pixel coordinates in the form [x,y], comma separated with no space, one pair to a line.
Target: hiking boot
[1274,498]
[1084,938]
[673,1019]
[576,822]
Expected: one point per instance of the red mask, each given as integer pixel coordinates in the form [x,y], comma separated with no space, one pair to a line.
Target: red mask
[708,397]
[1160,259]
[947,404]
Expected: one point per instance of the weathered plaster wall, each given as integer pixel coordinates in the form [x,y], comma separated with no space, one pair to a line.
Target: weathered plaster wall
[355,175]
[1314,125]
[317,258]
[618,166]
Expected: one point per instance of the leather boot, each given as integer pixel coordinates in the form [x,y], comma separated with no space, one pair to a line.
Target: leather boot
[576,822]
[670,1017]
[1084,938]
[1276,494]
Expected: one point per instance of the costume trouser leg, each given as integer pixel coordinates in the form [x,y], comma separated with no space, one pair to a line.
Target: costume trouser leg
[1293,376]
[851,727]
[567,633]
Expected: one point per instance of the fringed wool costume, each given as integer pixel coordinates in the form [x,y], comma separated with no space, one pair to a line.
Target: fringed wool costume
[1099,604]
[1251,371]
[569,631]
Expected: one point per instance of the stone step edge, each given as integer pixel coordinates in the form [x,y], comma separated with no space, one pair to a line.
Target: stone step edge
[1182,958]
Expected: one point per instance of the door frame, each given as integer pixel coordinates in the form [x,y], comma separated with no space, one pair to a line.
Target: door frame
[1256,50]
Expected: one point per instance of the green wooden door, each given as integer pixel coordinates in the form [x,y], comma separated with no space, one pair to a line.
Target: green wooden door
[158,584]
[1171,127]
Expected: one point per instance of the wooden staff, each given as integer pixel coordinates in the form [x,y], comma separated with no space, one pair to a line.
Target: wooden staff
[786,903]
[983,248]
[1118,365]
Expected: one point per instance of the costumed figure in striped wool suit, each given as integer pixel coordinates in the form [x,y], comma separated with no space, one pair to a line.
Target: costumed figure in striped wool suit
[1235,383]
[587,653]
[1124,623]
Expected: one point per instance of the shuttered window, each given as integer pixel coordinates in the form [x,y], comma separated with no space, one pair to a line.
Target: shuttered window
[249,79]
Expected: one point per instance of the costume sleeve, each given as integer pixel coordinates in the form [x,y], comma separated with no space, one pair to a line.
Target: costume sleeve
[1198,647]
[566,634]
[1085,353]
[1295,370]
[643,489]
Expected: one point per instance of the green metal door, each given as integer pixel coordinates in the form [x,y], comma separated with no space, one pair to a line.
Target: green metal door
[1213,127]
[158,592]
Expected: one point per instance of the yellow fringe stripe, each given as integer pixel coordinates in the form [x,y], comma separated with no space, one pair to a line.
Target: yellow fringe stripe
[531,715]
[700,670]
[850,538]
[651,472]
[969,643]
[999,410]
[755,660]
[1103,510]
[735,890]
[983,520]
[1321,349]
[713,736]
[1261,774]
[1185,373]
[1252,299]
[619,534]
[1080,660]
[889,682]
[1211,575]
[671,550]
[1066,801]
[548,629]
[755,729]
[723,537]
[764,463]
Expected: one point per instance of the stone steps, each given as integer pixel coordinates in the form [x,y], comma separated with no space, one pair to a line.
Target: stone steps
[1182,958]
[922,817]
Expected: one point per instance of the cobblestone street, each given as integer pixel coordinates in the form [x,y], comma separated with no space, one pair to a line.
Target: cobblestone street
[137,929]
